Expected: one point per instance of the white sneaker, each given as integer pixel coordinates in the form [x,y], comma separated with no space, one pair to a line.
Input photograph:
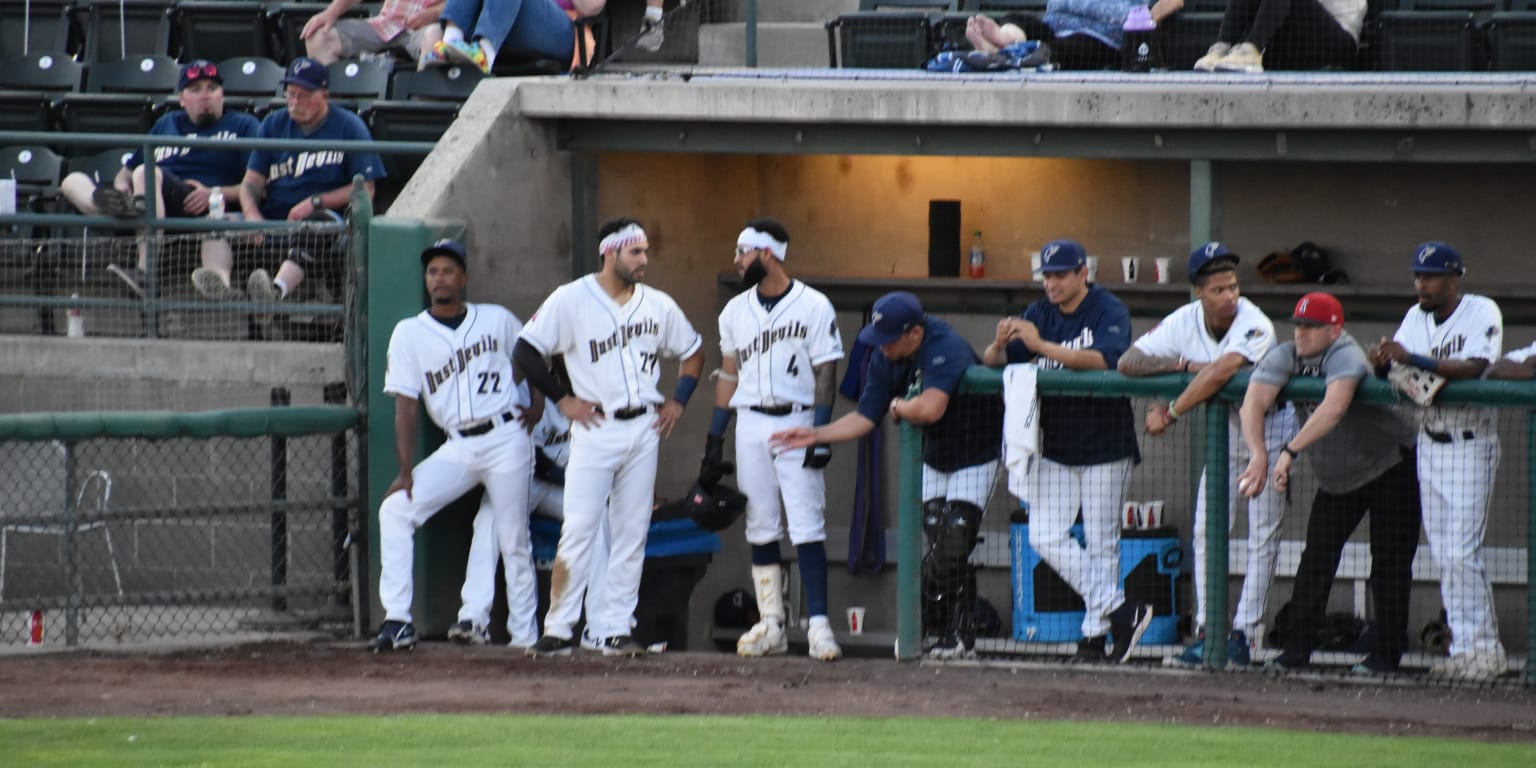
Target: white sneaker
[765,638]
[213,286]
[1474,667]
[1207,63]
[1244,57]
[823,643]
[651,35]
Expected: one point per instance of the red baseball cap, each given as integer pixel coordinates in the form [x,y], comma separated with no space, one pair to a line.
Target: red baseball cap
[1316,309]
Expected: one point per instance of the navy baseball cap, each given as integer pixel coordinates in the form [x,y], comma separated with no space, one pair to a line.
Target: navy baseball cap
[1206,255]
[445,247]
[198,69]
[893,315]
[308,74]
[1062,256]
[1437,258]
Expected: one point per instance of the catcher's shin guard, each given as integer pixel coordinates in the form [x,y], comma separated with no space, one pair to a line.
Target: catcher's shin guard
[949,581]
[766,637]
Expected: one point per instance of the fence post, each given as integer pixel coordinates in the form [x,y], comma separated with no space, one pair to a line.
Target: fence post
[281,398]
[1217,510]
[71,550]
[909,538]
[1530,548]
[336,394]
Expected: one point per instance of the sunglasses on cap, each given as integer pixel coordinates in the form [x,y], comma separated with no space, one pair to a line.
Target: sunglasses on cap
[199,71]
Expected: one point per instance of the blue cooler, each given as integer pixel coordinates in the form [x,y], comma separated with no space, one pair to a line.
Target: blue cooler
[1046,610]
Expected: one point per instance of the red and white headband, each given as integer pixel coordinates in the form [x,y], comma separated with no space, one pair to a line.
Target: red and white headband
[621,239]
[753,238]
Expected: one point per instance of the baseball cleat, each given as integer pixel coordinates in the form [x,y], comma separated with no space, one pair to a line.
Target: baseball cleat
[590,642]
[949,649]
[621,645]
[1090,650]
[822,642]
[467,632]
[765,638]
[1127,624]
[1377,665]
[394,636]
[1191,657]
[1237,649]
[549,645]
[1287,663]
[1473,667]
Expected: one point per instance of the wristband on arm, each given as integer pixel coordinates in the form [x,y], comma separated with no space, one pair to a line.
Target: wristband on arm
[685,387]
[1427,363]
[823,415]
[720,420]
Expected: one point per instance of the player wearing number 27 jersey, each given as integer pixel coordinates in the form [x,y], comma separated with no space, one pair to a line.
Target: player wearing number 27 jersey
[613,330]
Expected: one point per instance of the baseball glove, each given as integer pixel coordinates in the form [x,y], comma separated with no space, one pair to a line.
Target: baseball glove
[1419,385]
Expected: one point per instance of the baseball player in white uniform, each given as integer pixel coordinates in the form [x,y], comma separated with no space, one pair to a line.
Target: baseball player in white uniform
[1457,336]
[456,358]
[1519,365]
[779,347]
[613,330]
[1215,336]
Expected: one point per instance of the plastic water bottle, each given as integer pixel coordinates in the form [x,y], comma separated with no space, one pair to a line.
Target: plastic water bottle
[216,204]
[75,325]
[1137,49]
[978,256]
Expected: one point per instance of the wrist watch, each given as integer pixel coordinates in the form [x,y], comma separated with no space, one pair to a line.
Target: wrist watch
[317,202]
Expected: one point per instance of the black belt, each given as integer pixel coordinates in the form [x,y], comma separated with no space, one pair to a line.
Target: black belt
[625,414]
[1446,437]
[775,410]
[487,425]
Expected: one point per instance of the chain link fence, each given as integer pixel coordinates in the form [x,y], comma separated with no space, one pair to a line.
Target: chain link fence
[177,526]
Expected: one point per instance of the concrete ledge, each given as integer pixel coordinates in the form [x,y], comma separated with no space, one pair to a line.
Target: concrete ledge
[779,44]
[173,361]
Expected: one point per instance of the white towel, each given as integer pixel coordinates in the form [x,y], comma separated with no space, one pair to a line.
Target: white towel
[1021,428]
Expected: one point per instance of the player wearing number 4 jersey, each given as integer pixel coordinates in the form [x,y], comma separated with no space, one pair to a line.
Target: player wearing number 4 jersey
[613,331]
[779,347]
[456,358]
[1456,336]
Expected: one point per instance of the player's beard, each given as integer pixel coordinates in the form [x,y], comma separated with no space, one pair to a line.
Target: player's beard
[754,274]
[204,119]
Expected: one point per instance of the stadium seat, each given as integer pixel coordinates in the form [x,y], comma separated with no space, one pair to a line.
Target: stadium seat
[1185,36]
[1003,6]
[121,96]
[879,40]
[30,84]
[1434,36]
[34,167]
[436,84]
[251,83]
[1512,37]
[118,29]
[926,5]
[28,26]
[355,82]
[101,166]
[405,121]
[219,29]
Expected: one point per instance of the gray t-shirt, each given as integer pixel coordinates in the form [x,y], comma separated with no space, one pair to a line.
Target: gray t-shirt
[1367,441]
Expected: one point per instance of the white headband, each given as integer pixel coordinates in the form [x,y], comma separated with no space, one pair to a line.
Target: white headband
[621,239]
[758,239]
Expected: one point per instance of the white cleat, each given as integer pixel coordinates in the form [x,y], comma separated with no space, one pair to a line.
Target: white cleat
[765,638]
[823,644]
[1473,667]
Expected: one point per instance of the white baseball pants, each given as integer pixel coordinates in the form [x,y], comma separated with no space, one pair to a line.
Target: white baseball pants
[1093,570]
[548,500]
[502,461]
[971,484]
[1455,483]
[1265,513]
[763,475]
[612,474]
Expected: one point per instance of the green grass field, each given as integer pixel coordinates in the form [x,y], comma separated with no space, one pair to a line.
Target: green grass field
[493,740]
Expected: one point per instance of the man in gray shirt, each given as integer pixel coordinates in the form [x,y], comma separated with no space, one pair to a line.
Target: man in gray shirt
[1362,456]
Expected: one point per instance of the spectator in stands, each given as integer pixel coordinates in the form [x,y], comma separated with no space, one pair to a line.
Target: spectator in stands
[1089,32]
[1295,34]
[1362,457]
[187,176]
[988,35]
[399,26]
[475,31]
[301,184]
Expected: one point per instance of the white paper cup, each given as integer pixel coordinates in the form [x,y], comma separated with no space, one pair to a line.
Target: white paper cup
[1163,265]
[7,196]
[1093,269]
[1130,268]
[856,620]
[1034,267]
[1130,515]
[1151,514]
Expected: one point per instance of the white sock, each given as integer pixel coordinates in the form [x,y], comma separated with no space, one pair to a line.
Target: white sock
[452,34]
[282,287]
[653,12]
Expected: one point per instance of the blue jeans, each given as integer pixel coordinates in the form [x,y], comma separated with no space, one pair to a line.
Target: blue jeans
[516,27]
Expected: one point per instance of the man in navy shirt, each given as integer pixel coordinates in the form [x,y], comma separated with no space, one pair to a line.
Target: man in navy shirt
[302,184]
[962,439]
[1088,444]
[187,176]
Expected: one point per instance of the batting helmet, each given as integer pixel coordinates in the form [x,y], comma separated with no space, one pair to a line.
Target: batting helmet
[715,510]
